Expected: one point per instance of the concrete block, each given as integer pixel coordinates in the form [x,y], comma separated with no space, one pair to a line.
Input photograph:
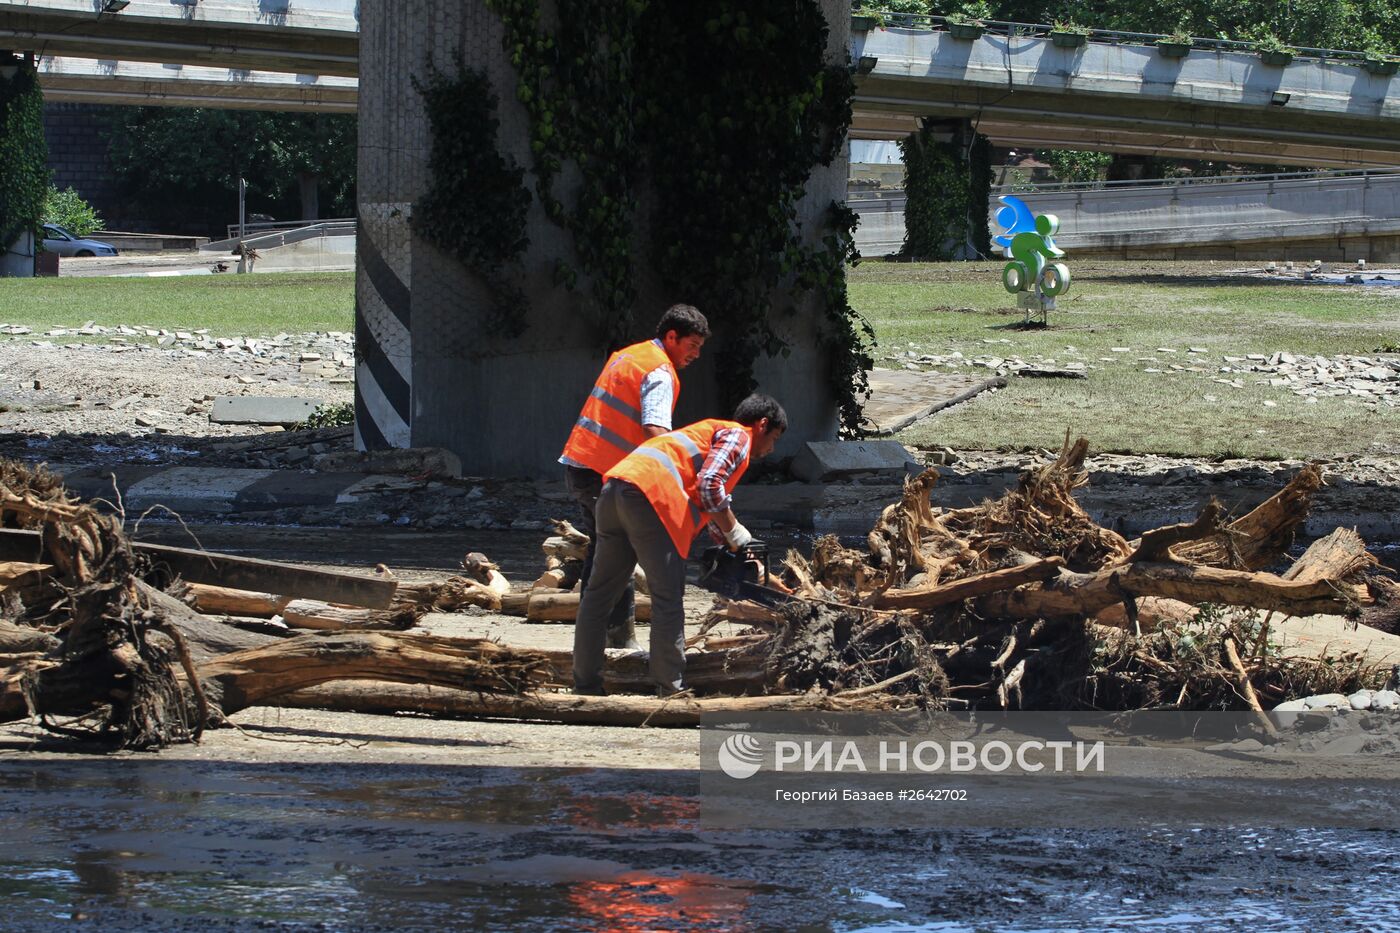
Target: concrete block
[253,410]
[823,461]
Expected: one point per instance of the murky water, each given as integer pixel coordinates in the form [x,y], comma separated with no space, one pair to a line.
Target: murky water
[125,844]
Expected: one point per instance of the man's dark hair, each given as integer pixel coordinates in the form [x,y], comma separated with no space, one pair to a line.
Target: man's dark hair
[757,407]
[685,320]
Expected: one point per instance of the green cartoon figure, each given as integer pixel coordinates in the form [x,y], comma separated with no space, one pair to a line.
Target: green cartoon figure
[1030,253]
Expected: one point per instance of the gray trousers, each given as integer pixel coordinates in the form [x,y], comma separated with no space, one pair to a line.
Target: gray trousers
[584,487]
[629,533]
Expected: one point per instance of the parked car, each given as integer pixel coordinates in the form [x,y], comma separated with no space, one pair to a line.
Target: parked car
[61,242]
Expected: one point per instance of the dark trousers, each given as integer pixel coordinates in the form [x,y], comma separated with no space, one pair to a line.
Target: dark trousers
[584,488]
[629,533]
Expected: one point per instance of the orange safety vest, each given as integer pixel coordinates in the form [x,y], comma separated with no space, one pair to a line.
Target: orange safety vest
[610,425]
[667,469]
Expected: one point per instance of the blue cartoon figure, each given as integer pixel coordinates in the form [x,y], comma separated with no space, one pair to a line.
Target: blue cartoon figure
[1028,242]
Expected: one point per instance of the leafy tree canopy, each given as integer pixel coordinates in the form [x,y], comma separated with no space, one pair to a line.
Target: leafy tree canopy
[68,209]
[1357,25]
[190,160]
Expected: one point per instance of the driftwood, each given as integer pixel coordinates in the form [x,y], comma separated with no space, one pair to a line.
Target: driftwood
[558,707]
[560,606]
[1020,602]
[223,600]
[254,676]
[21,639]
[1073,594]
[955,591]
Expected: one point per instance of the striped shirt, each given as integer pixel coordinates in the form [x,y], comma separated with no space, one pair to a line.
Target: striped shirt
[728,449]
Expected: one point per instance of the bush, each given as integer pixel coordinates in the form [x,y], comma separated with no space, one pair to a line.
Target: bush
[330,416]
[71,212]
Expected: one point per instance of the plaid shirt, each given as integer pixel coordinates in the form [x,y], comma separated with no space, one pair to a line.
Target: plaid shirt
[728,449]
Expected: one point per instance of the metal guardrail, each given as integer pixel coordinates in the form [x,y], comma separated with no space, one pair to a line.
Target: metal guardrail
[1194,181]
[882,194]
[1111,36]
[274,225]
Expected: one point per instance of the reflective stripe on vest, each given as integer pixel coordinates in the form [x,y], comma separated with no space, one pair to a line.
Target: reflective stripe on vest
[667,470]
[610,425]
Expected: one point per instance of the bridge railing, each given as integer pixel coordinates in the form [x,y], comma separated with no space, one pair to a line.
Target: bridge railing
[858,195]
[1193,181]
[273,226]
[1112,36]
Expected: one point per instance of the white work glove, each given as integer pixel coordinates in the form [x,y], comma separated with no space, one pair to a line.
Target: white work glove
[737,537]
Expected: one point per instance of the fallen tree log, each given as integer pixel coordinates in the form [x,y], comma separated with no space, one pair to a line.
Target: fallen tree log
[1088,594]
[314,614]
[252,677]
[678,711]
[1261,537]
[222,600]
[955,591]
[563,607]
[22,639]
[206,637]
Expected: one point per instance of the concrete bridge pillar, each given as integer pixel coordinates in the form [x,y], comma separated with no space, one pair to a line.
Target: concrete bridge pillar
[425,375]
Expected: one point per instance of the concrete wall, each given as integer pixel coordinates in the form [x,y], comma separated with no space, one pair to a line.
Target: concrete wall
[17,259]
[425,375]
[1327,218]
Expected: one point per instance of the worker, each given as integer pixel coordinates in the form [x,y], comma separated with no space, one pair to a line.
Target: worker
[632,400]
[654,502]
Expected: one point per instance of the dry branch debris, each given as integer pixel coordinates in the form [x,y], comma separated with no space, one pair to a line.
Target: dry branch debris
[1019,602]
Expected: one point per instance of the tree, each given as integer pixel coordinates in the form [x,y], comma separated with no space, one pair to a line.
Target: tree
[293,162]
[1070,165]
[68,209]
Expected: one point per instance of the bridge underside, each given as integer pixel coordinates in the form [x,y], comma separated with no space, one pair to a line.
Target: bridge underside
[247,35]
[89,81]
[884,110]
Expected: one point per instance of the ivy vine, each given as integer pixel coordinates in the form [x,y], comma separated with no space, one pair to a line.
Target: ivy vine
[721,110]
[947,184]
[476,205]
[740,107]
[576,83]
[24,154]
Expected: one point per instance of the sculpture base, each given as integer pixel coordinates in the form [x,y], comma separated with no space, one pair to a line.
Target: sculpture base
[1035,305]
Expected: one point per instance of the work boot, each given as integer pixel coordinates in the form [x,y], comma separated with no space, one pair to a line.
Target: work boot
[624,636]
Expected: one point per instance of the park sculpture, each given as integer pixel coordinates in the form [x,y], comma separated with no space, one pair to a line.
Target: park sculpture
[1028,242]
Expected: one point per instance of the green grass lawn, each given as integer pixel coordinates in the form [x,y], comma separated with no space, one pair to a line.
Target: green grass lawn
[229,305]
[939,308]
[1119,407]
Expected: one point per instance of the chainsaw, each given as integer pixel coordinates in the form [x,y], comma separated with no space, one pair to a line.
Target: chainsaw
[741,574]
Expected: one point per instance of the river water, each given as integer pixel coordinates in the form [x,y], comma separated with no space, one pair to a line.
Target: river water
[151,844]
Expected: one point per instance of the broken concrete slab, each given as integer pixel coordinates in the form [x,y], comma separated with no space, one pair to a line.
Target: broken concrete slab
[191,489]
[823,461]
[413,461]
[1050,372]
[898,398]
[247,409]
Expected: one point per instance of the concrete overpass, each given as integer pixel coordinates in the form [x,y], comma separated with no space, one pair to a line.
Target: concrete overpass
[1023,91]
[1019,88]
[318,37]
[110,81]
[1328,216]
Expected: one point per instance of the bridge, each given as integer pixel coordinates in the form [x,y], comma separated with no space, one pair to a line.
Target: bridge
[240,54]
[1124,96]
[1116,93]
[1332,216]
[314,37]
